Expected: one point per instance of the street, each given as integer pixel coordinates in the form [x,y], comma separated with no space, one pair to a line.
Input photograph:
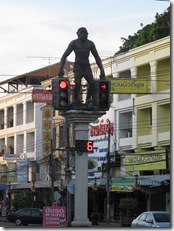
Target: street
[6,224]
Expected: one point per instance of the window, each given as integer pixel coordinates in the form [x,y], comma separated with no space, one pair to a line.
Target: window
[143,217]
[26,212]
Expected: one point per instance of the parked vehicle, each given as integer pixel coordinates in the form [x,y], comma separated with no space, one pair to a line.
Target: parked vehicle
[26,216]
[152,219]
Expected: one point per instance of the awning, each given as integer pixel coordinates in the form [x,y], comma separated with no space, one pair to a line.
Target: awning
[155,181]
[37,184]
[3,186]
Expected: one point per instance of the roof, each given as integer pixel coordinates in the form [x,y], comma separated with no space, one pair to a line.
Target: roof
[35,77]
[155,181]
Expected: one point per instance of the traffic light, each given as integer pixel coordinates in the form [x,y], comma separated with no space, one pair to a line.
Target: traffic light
[102,93]
[61,93]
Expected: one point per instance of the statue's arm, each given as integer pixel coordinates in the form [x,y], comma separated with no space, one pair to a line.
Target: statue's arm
[63,59]
[98,60]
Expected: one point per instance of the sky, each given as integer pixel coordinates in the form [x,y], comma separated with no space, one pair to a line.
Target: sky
[35,33]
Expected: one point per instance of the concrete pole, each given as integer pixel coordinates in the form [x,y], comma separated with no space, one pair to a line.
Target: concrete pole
[81,120]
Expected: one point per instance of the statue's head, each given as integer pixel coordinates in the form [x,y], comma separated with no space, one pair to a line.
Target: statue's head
[82,33]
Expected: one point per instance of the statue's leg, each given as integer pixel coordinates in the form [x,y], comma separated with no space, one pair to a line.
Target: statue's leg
[77,77]
[90,92]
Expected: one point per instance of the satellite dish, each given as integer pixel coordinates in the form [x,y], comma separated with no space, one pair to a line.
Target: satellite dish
[71,186]
[57,196]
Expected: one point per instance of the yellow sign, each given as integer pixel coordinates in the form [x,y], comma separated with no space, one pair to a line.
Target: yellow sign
[47,130]
[47,124]
[47,147]
[47,135]
[154,160]
[127,86]
[121,188]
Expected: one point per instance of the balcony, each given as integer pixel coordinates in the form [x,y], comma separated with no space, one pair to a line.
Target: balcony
[145,141]
[164,138]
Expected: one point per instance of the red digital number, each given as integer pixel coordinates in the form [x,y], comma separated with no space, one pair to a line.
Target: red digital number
[89,146]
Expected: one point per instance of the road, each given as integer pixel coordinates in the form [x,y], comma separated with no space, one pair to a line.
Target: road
[6,224]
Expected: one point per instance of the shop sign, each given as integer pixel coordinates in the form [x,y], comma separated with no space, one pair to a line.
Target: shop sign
[121,188]
[54,217]
[47,131]
[155,160]
[42,96]
[135,86]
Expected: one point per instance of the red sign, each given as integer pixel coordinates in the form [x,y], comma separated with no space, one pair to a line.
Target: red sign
[54,216]
[42,96]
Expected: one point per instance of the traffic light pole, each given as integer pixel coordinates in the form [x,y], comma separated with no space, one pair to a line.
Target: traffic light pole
[108,176]
[81,120]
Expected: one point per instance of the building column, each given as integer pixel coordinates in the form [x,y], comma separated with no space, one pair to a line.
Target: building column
[5,118]
[14,115]
[153,73]
[24,112]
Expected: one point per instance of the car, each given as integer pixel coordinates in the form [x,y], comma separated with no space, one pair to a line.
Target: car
[152,219]
[26,216]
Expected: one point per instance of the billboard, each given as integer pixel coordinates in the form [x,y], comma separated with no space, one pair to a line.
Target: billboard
[152,160]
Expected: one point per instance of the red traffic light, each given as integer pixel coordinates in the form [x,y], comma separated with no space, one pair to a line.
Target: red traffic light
[103,86]
[63,84]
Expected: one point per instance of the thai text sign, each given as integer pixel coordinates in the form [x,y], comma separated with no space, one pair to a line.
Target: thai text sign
[54,216]
[145,161]
[134,86]
[42,96]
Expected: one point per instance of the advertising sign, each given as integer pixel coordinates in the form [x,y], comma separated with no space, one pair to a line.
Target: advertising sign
[155,160]
[54,217]
[120,85]
[47,131]
[42,96]
[22,172]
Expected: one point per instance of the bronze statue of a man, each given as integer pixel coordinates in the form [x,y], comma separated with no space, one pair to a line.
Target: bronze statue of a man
[82,48]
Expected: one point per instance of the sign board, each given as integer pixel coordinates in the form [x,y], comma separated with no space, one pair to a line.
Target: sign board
[47,131]
[128,86]
[155,160]
[54,217]
[42,96]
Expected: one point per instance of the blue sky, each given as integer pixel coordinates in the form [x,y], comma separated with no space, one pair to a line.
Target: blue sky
[43,28]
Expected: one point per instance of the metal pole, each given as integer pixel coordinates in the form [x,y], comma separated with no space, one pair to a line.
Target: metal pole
[108,173]
[51,174]
[68,174]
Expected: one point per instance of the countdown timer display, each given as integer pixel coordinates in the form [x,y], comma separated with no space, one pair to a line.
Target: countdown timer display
[84,145]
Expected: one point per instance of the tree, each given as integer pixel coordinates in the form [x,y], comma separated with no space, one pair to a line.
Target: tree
[22,200]
[160,28]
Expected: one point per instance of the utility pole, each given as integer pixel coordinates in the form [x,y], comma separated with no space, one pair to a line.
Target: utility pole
[51,174]
[108,176]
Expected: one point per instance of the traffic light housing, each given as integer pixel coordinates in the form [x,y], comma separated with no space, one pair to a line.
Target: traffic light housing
[61,93]
[102,94]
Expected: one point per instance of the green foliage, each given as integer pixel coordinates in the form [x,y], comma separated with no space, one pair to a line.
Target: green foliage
[128,206]
[149,33]
[22,200]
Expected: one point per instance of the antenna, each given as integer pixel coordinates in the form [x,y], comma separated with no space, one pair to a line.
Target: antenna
[44,58]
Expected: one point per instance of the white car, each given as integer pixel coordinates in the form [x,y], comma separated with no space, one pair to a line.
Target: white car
[152,219]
